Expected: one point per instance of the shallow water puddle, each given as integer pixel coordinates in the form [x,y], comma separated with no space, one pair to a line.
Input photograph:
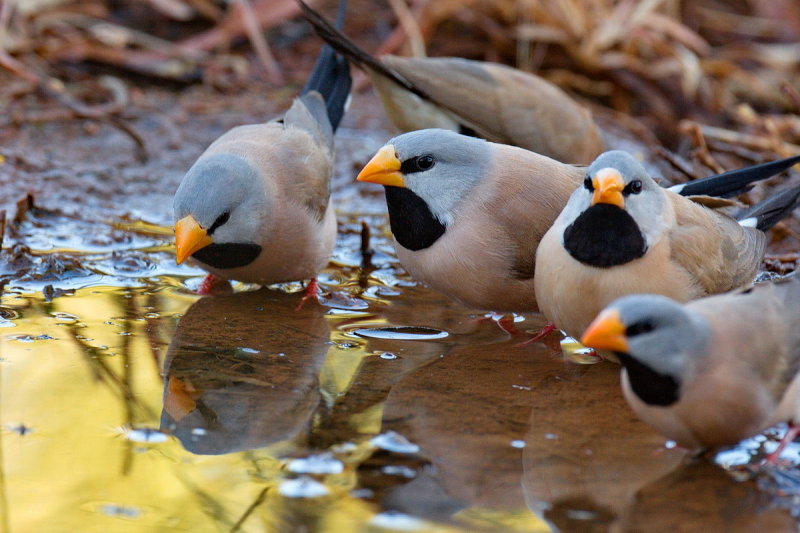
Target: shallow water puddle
[128,403]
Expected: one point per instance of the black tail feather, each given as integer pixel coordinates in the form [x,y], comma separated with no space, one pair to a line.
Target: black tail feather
[351,51]
[331,76]
[736,182]
[770,211]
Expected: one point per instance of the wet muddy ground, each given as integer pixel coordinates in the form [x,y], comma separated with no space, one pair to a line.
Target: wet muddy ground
[128,403]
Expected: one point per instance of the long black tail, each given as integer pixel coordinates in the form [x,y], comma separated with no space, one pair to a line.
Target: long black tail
[331,75]
[734,182]
[351,51]
[769,212]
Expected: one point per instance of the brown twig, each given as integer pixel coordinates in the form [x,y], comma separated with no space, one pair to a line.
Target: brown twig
[700,151]
[678,163]
[250,26]
[410,26]
[24,205]
[269,13]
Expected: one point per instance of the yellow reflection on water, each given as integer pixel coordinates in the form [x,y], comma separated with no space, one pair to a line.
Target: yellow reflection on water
[81,449]
[85,389]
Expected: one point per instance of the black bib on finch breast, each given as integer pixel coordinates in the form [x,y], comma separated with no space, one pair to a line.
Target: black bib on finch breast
[228,254]
[650,386]
[604,236]
[411,220]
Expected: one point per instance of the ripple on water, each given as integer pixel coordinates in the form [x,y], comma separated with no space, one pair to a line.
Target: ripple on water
[394,442]
[401,333]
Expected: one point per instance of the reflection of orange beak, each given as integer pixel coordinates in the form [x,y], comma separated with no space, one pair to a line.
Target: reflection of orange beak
[180,399]
[606,332]
[383,169]
[189,237]
[608,187]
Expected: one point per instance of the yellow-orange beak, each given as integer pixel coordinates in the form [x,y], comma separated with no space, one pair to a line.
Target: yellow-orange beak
[180,398]
[606,332]
[383,169]
[189,237]
[608,185]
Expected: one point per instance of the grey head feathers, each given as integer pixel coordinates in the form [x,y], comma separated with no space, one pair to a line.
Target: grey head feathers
[220,184]
[645,207]
[662,335]
[460,162]
[625,163]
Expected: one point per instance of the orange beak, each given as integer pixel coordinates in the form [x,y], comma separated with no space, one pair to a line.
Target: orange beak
[608,185]
[606,332]
[189,237]
[180,399]
[383,169]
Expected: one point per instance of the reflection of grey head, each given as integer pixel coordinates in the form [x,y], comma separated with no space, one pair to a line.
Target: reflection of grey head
[460,164]
[239,408]
[243,372]
[219,184]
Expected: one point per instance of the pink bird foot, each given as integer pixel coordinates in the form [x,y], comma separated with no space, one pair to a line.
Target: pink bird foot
[544,332]
[312,291]
[791,433]
[214,285]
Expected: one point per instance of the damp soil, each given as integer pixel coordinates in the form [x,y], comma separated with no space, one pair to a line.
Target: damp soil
[129,403]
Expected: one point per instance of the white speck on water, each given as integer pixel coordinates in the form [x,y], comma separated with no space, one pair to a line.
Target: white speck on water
[399,470]
[518,443]
[320,464]
[112,509]
[670,444]
[249,350]
[144,435]
[394,442]
[302,487]
[344,447]
[31,338]
[199,431]
[550,436]
[520,387]
[581,514]
[388,355]
[397,521]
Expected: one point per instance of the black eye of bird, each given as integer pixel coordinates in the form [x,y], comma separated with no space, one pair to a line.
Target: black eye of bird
[588,185]
[417,164]
[634,187]
[638,328]
[222,219]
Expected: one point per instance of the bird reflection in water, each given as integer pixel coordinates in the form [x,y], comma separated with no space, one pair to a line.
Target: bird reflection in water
[242,371]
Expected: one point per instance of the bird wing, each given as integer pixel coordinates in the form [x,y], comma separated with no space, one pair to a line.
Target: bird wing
[530,191]
[756,329]
[784,297]
[712,247]
[505,105]
[306,153]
